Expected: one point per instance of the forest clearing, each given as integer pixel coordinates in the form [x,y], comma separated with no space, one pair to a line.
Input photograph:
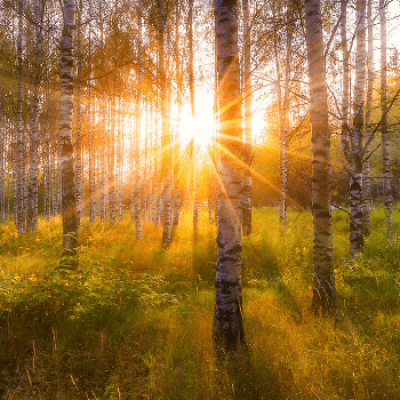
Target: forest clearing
[136,321]
[199,199]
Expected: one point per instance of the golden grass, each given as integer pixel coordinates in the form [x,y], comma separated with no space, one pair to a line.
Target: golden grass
[136,321]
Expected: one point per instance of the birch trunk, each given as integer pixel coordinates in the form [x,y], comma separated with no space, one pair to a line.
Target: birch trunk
[356,234]
[138,123]
[345,134]
[228,322]
[19,167]
[102,179]
[324,291]
[366,189]
[247,91]
[111,163]
[78,147]
[2,173]
[69,206]
[387,187]
[191,90]
[91,150]
[179,89]
[46,160]
[165,134]
[32,217]
[283,139]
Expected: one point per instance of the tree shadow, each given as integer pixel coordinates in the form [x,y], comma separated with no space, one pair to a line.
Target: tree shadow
[245,382]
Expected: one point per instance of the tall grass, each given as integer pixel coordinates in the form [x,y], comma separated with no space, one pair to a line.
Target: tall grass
[135,321]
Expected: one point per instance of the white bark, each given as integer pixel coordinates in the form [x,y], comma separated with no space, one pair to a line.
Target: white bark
[228,323]
[387,186]
[324,291]
[69,206]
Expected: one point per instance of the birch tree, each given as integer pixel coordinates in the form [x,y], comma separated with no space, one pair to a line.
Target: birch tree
[165,130]
[366,189]
[228,323]
[32,215]
[352,138]
[387,187]
[19,164]
[247,92]
[324,291]
[69,206]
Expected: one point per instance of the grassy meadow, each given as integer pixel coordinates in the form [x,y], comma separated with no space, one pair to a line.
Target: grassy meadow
[135,321]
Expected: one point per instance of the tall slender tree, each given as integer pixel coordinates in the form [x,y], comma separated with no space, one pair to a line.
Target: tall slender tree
[247,94]
[69,205]
[165,129]
[19,154]
[32,215]
[366,189]
[387,186]
[228,322]
[324,291]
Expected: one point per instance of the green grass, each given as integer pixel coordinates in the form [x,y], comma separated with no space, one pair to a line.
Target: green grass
[135,321]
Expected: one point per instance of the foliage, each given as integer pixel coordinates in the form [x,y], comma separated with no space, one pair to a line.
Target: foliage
[135,321]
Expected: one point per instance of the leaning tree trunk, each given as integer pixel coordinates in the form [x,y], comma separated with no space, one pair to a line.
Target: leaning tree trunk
[228,323]
[355,161]
[324,291]
[69,206]
[387,187]
[247,92]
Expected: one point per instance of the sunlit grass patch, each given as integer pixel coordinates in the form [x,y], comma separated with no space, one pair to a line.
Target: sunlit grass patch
[136,320]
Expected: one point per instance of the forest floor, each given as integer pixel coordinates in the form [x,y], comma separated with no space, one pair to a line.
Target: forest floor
[135,321]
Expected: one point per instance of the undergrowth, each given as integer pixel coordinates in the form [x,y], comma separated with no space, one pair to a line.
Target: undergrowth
[135,321]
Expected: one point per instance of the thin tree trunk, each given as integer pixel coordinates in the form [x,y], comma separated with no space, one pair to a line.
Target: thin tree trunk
[69,206]
[228,322]
[345,134]
[111,164]
[78,146]
[3,136]
[191,90]
[138,123]
[366,189]
[247,91]
[19,169]
[32,217]
[387,187]
[356,234]
[324,291]
[165,134]
[179,89]
[91,147]
[102,176]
